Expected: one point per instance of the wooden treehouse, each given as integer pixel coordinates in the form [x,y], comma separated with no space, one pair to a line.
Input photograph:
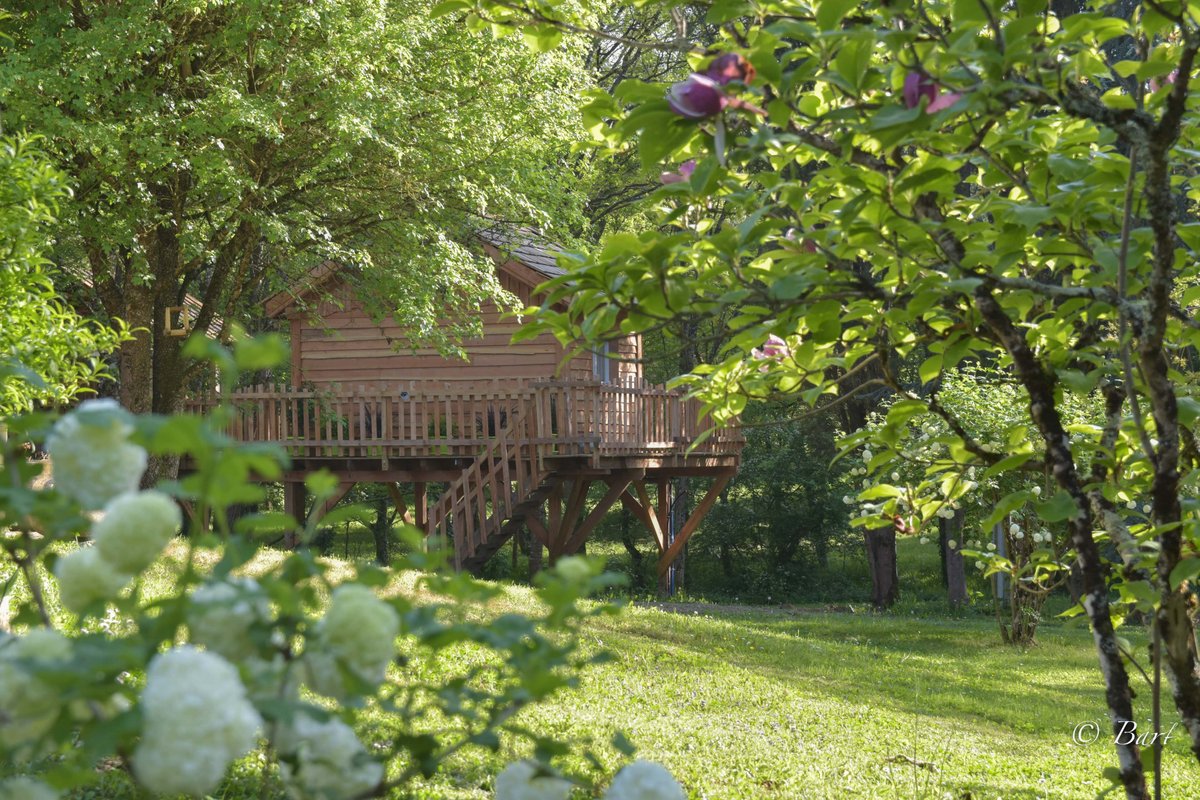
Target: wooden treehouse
[514,437]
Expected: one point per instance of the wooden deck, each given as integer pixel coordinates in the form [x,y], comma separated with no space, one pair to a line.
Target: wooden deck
[510,452]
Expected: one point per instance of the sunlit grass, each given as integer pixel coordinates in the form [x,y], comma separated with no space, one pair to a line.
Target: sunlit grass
[796,703]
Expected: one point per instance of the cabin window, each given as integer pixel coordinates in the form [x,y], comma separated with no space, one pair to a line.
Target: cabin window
[604,369]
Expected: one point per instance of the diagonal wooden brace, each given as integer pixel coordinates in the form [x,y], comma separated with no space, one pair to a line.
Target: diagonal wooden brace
[693,522]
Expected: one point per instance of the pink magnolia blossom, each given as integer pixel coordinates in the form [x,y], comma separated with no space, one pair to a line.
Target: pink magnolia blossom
[918,85]
[1169,80]
[730,67]
[698,97]
[774,349]
[684,174]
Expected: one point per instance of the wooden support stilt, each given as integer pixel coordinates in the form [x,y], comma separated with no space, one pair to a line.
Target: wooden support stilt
[555,520]
[420,508]
[399,499]
[575,504]
[616,487]
[644,511]
[663,514]
[342,490]
[293,504]
[537,528]
[693,522]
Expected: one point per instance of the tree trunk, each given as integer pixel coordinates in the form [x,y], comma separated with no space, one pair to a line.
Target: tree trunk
[881,558]
[955,570]
[381,529]
[637,559]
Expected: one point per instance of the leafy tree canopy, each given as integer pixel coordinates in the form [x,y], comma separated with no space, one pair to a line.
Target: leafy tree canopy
[221,149]
[950,182]
[47,353]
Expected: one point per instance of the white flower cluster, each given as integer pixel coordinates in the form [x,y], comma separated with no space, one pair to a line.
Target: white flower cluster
[644,780]
[641,780]
[197,721]
[92,457]
[134,529]
[358,632]
[525,780]
[222,614]
[30,706]
[24,788]
[325,760]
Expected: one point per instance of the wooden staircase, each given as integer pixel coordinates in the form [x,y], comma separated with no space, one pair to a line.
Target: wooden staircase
[483,508]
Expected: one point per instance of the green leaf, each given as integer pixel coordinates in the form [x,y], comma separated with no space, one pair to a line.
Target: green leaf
[831,12]
[1058,508]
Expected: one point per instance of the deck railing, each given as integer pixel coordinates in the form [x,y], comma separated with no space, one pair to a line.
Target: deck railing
[442,418]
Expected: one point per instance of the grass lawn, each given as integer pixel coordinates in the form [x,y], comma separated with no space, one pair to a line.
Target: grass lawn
[748,704]
[789,702]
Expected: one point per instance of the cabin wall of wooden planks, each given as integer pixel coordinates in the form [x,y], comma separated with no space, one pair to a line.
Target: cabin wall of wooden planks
[339,343]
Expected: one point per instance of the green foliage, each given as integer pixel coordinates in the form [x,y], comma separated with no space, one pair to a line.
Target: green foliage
[223,151]
[295,627]
[47,353]
[783,514]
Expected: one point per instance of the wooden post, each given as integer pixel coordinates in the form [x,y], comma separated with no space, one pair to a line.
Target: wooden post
[420,507]
[293,503]
[664,525]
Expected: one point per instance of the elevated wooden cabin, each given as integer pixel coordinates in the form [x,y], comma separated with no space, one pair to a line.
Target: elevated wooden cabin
[517,435]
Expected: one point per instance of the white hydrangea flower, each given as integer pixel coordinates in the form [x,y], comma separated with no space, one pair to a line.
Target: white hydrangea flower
[1014,529]
[26,788]
[924,540]
[135,528]
[520,781]
[30,706]
[979,565]
[325,760]
[1131,505]
[867,455]
[197,721]
[1037,491]
[573,569]
[1146,509]
[84,578]
[221,615]
[1019,535]
[895,477]
[991,546]
[952,544]
[91,455]
[358,630]
[644,780]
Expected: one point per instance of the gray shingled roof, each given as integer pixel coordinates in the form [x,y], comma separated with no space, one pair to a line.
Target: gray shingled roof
[527,246]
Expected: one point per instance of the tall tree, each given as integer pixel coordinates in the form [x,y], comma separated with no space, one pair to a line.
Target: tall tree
[991,181]
[47,353]
[221,149]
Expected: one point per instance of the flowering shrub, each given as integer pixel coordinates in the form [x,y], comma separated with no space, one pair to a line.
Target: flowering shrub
[246,650]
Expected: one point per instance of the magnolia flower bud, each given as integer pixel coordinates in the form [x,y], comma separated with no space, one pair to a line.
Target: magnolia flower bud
[916,86]
[698,97]
[684,174]
[730,67]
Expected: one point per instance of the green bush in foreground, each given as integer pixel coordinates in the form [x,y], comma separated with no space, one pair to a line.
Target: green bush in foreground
[177,687]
